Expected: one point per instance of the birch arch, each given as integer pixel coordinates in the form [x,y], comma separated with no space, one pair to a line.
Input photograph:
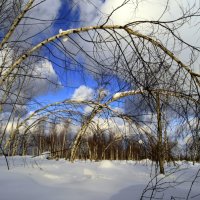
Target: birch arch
[98,107]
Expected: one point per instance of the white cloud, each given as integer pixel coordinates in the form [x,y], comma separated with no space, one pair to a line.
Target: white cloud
[9,123]
[41,10]
[46,9]
[6,57]
[40,76]
[44,79]
[89,10]
[32,81]
[88,109]
[119,110]
[74,128]
[91,14]
[83,93]
[115,125]
[95,11]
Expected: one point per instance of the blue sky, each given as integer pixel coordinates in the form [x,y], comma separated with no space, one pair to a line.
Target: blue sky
[72,18]
[70,79]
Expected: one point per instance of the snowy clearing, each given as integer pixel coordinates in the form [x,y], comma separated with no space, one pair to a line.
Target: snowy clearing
[39,178]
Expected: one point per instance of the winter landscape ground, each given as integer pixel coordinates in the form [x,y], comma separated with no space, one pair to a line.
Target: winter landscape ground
[39,178]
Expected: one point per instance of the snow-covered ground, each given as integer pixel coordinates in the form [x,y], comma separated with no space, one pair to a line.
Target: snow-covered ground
[41,179]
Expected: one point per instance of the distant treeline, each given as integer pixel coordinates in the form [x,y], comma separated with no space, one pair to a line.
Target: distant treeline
[99,145]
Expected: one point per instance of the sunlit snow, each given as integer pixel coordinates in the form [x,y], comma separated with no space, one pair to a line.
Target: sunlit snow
[42,179]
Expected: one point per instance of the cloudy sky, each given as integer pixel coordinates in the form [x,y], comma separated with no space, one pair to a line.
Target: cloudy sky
[91,12]
[75,13]
[84,13]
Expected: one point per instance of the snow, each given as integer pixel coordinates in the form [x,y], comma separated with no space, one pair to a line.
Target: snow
[140,142]
[46,154]
[106,164]
[42,179]
[119,95]
[65,38]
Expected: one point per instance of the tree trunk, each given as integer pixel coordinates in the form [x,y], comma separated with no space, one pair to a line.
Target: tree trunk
[160,155]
